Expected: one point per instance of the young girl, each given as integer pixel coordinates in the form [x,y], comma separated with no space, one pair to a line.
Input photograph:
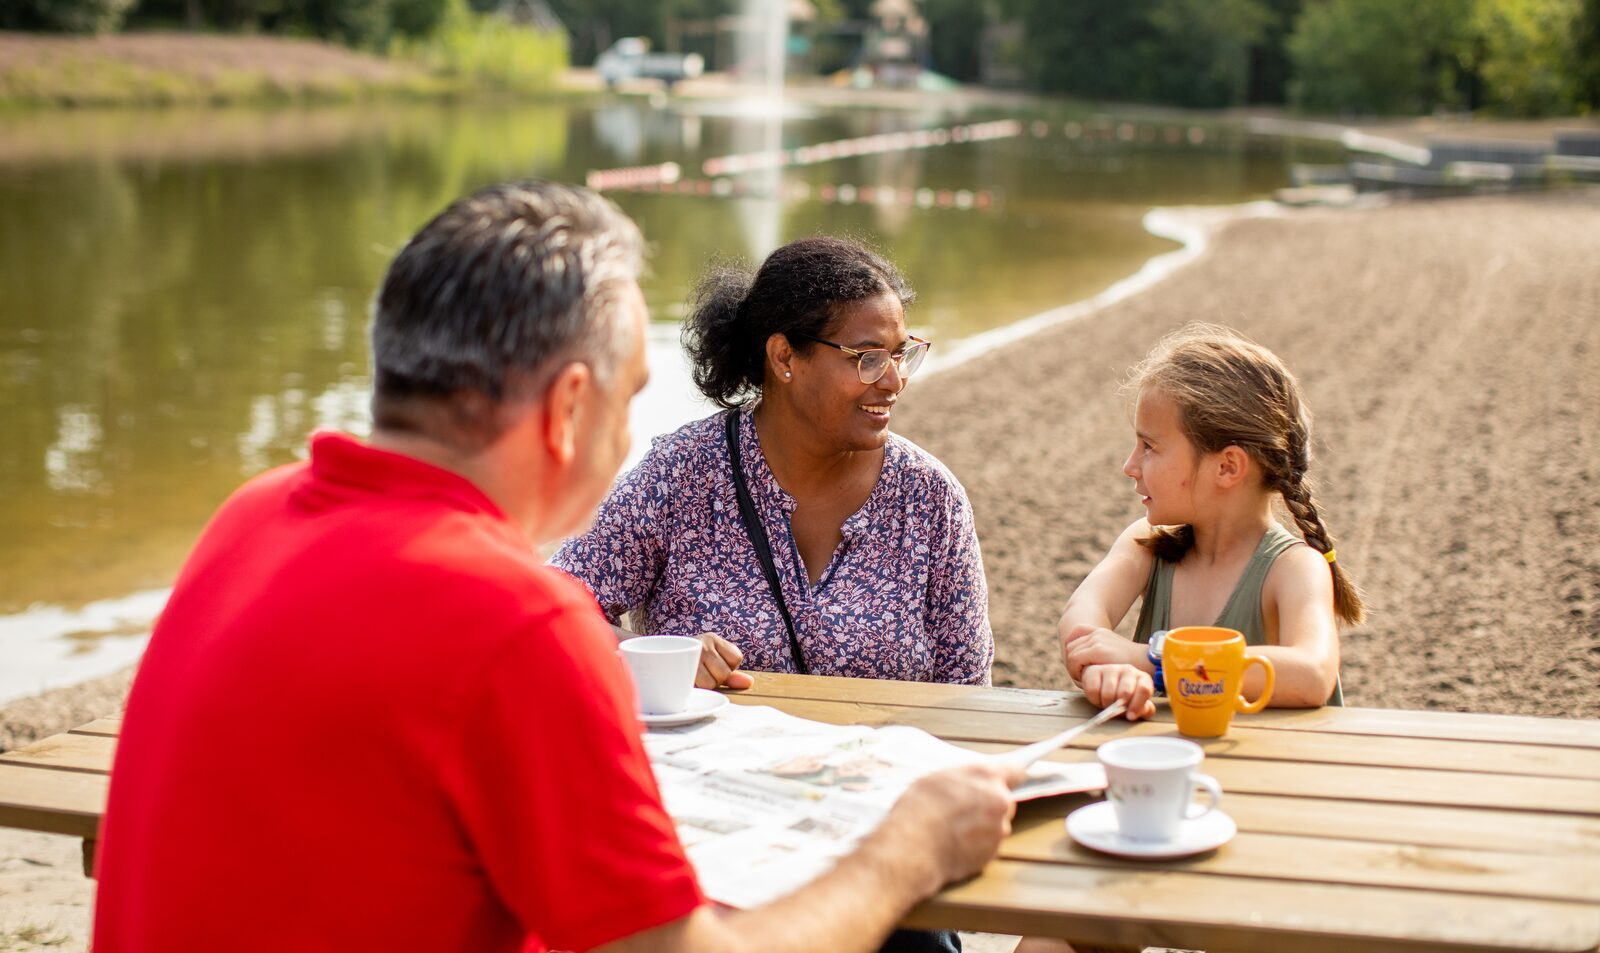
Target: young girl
[1221,434]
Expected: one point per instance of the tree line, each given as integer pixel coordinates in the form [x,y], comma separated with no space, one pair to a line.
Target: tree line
[1511,57]
[1517,57]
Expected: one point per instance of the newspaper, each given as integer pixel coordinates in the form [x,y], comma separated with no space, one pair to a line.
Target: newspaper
[765,802]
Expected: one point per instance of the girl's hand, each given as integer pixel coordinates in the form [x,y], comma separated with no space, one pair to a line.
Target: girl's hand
[1087,645]
[1104,684]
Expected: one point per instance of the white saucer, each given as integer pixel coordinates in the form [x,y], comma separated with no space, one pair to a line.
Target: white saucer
[1095,827]
[703,703]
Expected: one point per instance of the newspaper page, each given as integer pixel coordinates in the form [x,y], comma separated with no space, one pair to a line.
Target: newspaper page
[765,802]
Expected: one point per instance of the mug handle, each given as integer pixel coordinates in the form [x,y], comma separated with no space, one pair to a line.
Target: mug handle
[1250,708]
[1213,793]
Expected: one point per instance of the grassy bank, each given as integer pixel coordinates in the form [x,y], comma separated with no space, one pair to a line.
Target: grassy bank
[160,69]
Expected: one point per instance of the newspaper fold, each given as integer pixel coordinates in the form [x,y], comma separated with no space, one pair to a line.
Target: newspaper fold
[765,802]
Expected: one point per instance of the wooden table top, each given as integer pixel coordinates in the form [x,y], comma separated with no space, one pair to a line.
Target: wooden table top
[1359,829]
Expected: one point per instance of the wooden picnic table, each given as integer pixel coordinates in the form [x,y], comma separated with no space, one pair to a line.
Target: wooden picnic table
[1359,829]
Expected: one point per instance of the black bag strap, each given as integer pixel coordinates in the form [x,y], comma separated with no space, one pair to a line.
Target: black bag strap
[758,538]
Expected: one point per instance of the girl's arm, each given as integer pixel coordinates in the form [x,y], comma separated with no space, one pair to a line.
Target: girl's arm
[1297,603]
[1099,604]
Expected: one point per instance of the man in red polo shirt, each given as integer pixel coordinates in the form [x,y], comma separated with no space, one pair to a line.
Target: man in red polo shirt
[370,718]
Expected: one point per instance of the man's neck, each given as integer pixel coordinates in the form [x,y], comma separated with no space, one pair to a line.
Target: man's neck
[476,468]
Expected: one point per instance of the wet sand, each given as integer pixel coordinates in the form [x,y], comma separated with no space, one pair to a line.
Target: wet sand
[1451,352]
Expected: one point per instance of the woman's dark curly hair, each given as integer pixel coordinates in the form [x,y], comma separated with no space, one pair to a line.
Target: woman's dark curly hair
[796,292]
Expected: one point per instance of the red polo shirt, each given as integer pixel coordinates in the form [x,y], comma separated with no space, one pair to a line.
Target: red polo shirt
[370,718]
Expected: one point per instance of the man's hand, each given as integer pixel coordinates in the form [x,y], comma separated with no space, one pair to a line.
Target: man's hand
[956,817]
[1104,684]
[1087,645]
[719,661]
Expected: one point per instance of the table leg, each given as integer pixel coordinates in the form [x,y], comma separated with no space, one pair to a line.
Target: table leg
[89,845]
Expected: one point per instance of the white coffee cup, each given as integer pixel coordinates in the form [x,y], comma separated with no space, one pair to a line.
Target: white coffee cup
[663,668]
[1150,783]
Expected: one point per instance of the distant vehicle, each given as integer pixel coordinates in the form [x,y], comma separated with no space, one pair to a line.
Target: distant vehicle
[630,58]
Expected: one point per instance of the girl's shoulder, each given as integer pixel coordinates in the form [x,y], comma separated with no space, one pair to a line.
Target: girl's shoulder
[1129,545]
[1296,567]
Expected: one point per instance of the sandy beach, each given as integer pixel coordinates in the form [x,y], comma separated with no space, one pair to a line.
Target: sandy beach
[1451,352]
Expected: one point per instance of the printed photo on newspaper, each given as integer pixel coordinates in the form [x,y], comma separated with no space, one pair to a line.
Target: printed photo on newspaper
[765,802]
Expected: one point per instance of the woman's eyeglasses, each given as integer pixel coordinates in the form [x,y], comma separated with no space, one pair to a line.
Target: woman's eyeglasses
[873,362]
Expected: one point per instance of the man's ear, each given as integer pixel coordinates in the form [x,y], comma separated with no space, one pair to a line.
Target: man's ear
[564,402]
[1232,466]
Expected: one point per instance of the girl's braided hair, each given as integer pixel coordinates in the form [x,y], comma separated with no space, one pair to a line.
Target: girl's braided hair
[1231,391]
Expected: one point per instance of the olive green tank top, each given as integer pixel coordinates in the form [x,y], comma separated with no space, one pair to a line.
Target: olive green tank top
[1243,611]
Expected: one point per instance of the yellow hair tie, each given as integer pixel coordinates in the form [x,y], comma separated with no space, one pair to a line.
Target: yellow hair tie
[1330,554]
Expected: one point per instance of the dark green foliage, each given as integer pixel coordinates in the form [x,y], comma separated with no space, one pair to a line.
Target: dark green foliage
[416,18]
[361,23]
[954,28]
[63,16]
[1186,52]
[1378,56]
[1269,57]
[1586,55]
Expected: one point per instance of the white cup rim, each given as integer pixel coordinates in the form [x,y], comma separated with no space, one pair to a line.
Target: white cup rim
[1180,753]
[660,644]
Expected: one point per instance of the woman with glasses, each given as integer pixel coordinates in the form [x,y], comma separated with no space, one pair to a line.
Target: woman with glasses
[870,566]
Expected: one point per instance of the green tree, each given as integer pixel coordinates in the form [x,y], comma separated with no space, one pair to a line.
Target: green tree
[1586,56]
[955,28]
[1378,56]
[1204,50]
[64,16]
[1186,52]
[417,18]
[1531,56]
[1269,56]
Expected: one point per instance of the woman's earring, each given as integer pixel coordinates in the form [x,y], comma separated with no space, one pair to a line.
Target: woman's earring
[787,375]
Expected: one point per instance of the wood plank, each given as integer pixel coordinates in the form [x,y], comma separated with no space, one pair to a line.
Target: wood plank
[1511,729]
[921,694]
[1557,796]
[111,726]
[1303,779]
[68,752]
[55,802]
[1566,877]
[1150,907]
[1310,747]
[1414,824]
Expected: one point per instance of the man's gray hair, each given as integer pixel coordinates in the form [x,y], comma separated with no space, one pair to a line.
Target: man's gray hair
[504,286]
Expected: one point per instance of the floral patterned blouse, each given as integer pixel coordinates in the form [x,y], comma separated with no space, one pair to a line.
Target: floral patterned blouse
[903,596]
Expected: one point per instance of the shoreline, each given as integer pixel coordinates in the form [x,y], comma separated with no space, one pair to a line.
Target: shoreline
[126,619]
[1197,228]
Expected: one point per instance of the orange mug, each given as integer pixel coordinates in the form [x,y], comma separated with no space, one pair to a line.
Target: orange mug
[1204,667]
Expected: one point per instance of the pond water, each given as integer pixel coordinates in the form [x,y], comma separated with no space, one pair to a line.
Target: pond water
[183,295]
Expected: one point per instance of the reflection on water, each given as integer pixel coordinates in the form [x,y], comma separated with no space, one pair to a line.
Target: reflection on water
[183,295]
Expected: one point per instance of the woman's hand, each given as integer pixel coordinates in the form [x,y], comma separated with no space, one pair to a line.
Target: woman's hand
[1087,645]
[1104,684]
[719,663]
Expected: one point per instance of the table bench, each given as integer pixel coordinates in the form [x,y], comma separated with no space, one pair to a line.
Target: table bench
[1359,829]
